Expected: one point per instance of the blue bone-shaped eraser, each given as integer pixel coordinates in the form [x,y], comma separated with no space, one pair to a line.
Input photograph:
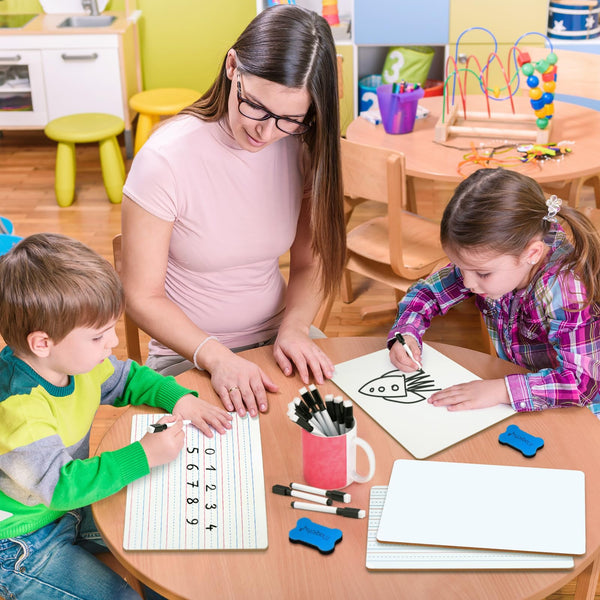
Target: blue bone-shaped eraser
[526,443]
[316,536]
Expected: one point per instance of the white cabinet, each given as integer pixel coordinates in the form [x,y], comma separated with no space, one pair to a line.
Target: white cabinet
[22,98]
[82,80]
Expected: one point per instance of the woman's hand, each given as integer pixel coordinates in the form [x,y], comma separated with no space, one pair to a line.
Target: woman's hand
[241,385]
[295,348]
[202,414]
[475,394]
[400,358]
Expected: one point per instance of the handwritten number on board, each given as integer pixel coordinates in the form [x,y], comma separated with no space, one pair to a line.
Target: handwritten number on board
[208,487]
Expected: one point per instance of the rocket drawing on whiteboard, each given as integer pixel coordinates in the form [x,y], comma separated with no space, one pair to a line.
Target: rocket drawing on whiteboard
[395,386]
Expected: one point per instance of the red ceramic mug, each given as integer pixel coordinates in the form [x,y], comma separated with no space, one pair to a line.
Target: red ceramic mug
[330,462]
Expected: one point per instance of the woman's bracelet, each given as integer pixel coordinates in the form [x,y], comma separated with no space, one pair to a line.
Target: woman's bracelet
[206,339]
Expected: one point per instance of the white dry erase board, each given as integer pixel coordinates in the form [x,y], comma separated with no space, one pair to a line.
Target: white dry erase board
[211,497]
[398,401]
[389,556]
[493,507]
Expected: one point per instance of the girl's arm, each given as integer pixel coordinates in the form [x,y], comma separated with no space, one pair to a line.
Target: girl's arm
[146,240]
[293,345]
[426,299]
[574,335]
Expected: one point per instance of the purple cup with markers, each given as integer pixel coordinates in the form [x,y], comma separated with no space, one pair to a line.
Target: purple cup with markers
[398,108]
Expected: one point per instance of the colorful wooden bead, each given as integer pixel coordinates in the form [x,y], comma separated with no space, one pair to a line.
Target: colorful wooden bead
[541,66]
[535,93]
[547,97]
[542,123]
[527,69]
[532,81]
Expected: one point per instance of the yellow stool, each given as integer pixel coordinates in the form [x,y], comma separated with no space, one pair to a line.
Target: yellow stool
[152,104]
[83,128]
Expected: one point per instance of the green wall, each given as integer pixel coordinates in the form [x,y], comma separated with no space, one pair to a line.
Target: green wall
[184,41]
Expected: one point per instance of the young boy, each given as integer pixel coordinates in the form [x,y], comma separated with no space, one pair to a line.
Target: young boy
[59,303]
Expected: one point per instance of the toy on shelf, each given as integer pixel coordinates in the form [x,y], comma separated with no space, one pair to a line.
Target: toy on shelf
[330,12]
[276,2]
[540,77]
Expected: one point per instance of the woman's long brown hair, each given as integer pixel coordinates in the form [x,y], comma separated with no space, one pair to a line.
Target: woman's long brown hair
[293,46]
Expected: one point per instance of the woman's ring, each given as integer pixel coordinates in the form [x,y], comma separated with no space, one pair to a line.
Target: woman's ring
[231,389]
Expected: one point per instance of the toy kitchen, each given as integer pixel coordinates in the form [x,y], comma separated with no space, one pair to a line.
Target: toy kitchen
[71,58]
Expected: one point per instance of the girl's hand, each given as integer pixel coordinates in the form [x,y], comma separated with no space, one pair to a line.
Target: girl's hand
[202,414]
[164,446]
[400,358]
[294,348]
[475,394]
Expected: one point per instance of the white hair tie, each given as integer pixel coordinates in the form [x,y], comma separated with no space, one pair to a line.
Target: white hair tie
[553,203]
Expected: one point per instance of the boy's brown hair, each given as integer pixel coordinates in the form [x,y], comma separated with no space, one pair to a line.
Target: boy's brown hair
[52,283]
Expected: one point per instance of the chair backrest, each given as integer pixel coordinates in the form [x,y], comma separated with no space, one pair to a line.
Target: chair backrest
[379,175]
[578,80]
[132,332]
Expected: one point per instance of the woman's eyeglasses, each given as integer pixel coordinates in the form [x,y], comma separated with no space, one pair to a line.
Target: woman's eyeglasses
[260,113]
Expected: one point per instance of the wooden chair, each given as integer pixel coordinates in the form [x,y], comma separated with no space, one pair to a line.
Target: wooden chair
[132,332]
[577,83]
[396,249]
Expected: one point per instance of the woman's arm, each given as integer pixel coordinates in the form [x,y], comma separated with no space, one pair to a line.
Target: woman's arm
[239,383]
[293,345]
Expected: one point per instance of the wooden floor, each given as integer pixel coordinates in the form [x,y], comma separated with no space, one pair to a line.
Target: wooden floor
[27,198]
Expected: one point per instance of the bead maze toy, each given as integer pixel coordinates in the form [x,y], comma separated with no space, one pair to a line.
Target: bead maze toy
[540,78]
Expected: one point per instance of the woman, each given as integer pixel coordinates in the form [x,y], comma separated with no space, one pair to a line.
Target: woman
[220,192]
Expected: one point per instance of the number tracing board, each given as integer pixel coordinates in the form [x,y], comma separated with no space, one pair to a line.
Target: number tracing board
[211,497]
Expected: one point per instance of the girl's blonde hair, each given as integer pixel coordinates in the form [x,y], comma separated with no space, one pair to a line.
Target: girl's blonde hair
[294,47]
[54,284]
[503,211]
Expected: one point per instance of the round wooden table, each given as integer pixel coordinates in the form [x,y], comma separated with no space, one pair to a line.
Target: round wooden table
[288,570]
[429,161]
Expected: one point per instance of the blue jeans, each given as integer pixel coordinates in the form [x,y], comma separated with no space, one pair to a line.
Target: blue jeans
[57,562]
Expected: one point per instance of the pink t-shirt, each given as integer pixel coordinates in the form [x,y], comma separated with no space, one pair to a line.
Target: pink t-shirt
[234,214]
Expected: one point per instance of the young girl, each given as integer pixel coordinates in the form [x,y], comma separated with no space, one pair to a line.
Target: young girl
[537,288]
[221,191]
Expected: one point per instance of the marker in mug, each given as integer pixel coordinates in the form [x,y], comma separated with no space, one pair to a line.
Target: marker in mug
[337,404]
[305,425]
[331,410]
[304,413]
[408,351]
[316,410]
[324,413]
[344,511]
[348,416]
[156,427]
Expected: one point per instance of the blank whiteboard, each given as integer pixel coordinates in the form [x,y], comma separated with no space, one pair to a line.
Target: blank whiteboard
[211,497]
[485,506]
[398,401]
[387,556]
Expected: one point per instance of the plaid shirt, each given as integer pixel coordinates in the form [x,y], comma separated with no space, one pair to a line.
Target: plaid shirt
[541,327]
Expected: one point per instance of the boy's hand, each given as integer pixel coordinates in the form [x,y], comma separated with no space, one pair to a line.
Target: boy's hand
[164,446]
[474,394]
[202,414]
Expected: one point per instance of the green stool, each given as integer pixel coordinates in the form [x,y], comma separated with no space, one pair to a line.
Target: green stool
[84,128]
